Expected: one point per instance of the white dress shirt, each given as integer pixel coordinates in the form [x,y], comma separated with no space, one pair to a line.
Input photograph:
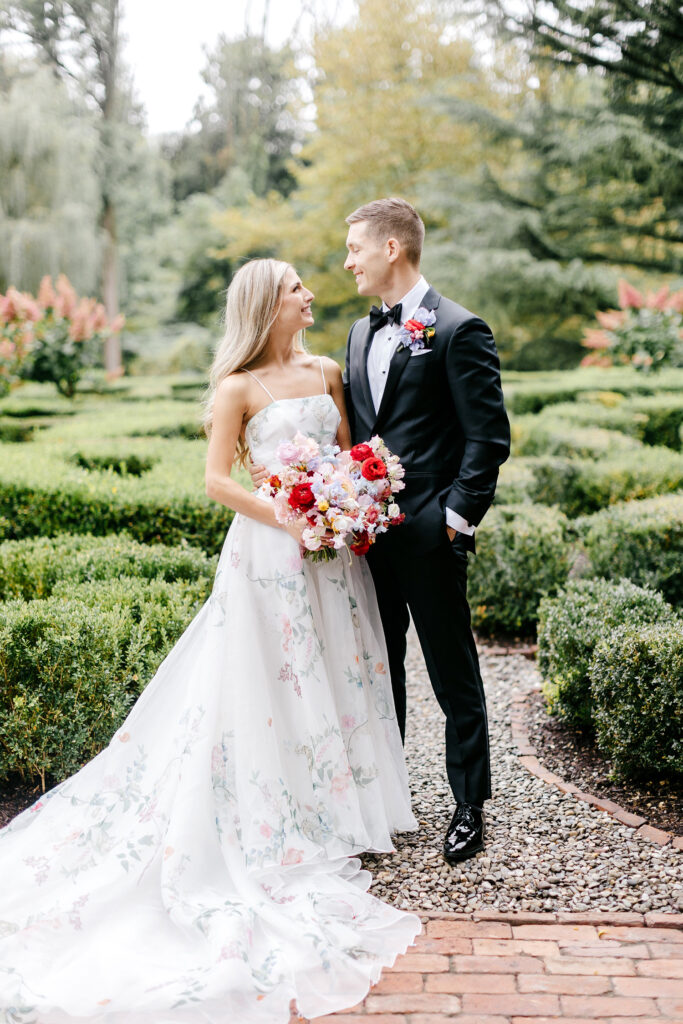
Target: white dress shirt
[384,344]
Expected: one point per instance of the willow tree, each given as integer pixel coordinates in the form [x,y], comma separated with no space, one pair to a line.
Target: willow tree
[80,40]
[49,194]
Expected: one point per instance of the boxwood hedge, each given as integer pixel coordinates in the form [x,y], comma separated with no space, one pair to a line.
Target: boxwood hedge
[641,540]
[579,486]
[73,663]
[523,555]
[31,568]
[571,625]
[637,684]
[43,492]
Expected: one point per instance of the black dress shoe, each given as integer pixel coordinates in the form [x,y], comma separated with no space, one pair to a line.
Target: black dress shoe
[465,835]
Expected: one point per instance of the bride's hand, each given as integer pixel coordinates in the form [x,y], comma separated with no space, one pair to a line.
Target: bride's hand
[257,473]
[296,530]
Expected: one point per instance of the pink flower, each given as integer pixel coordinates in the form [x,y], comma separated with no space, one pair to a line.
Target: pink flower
[46,293]
[266,830]
[348,722]
[65,304]
[293,856]
[288,453]
[629,297]
[339,785]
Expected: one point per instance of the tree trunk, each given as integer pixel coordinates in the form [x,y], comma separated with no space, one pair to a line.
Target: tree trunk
[110,290]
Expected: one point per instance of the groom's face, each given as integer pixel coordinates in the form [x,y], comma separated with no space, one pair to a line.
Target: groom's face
[367,260]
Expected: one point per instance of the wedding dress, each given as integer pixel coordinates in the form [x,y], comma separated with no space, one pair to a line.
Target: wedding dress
[201,868]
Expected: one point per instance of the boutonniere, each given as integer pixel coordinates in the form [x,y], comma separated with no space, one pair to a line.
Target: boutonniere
[417,333]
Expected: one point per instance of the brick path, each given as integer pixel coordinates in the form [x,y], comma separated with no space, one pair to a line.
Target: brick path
[533,969]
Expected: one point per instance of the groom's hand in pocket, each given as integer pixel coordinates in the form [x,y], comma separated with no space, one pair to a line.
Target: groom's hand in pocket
[258,474]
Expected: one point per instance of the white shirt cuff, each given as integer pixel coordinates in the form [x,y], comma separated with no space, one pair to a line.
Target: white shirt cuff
[456,522]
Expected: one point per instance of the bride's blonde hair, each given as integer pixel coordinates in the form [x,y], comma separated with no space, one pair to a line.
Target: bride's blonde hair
[251,308]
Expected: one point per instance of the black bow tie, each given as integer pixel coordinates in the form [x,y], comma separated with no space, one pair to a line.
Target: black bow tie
[379,318]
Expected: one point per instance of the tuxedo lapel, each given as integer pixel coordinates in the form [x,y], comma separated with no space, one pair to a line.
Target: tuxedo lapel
[361,367]
[399,361]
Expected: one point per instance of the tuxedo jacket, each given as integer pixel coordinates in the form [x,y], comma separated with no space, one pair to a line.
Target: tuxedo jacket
[442,413]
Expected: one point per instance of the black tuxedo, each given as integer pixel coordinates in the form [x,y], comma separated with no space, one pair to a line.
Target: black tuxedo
[442,412]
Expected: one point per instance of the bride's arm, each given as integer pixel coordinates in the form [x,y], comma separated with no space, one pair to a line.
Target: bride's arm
[333,375]
[229,412]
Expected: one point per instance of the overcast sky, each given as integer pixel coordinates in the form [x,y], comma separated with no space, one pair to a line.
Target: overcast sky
[166,41]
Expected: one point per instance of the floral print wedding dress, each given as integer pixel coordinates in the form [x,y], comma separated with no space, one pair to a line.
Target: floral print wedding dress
[202,868]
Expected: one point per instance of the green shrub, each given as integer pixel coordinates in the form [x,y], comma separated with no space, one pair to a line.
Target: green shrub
[73,664]
[516,482]
[531,392]
[617,417]
[42,493]
[522,556]
[640,540]
[31,568]
[653,419]
[124,465]
[13,432]
[663,419]
[65,673]
[637,683]
[534,435]
[580,486]
[572,624]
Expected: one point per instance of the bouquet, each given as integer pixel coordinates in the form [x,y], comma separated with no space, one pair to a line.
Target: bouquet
[345,497]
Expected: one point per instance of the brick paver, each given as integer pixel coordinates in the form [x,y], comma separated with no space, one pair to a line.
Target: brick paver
[560,968]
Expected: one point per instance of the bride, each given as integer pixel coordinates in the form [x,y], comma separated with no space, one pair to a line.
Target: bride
[202,868]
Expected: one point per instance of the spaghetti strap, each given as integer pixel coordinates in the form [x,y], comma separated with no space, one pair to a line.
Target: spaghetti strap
[272,398]
[322,374]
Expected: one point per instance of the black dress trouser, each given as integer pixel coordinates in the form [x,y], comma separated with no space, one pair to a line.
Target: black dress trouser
[433,588]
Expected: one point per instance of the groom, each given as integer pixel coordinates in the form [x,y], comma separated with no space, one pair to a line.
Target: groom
[423,373]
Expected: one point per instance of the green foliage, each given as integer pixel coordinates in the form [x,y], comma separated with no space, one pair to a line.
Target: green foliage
[43,493]
[65,685]
[522,556]
[515,482]
[603,388]
[73,664]
[637,683]
[610,169]
[32,568]
[532,435]
[659,419]
[571,625]
[640,540]
[48,182]
[580,486]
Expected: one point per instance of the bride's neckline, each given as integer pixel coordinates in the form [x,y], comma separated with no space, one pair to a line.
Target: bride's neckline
[278,401]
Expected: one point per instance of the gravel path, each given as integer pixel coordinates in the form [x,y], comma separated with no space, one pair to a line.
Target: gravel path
[546,851]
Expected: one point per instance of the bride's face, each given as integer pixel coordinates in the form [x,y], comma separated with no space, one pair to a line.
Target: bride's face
[295,309]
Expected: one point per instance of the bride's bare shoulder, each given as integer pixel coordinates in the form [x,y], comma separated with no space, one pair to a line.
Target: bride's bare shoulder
[331,369]
[233,388]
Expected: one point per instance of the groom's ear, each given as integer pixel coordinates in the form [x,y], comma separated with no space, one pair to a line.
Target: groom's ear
[392,249]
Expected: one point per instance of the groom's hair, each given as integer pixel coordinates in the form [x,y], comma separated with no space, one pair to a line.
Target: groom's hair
[393,218]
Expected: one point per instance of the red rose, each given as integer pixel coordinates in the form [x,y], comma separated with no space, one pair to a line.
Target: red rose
[414,325]
[361,544]
[301,497]
[361,452]
[373,469]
